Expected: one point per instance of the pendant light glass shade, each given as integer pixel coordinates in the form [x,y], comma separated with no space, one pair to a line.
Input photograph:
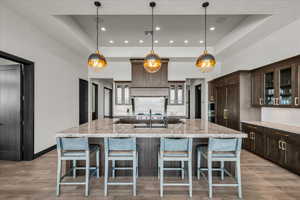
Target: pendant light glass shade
[206,62]
[152,62]
[97,60]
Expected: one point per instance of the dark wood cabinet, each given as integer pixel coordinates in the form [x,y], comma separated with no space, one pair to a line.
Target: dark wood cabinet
[280,147]
[257,88]
[232,95]
[277,84]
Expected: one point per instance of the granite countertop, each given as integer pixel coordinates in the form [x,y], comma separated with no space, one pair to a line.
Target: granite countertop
[282,127]
[190,128]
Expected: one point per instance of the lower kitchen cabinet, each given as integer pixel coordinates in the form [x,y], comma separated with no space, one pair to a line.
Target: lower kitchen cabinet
[282,148]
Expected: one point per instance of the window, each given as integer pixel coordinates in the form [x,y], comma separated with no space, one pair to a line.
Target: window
[172,94]
[119,94]
[176,95]
[126,94]
[179,94]
[122,94]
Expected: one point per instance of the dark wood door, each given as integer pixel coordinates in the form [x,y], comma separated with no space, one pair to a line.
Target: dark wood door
[221,105]
[83,101]
[198,101]
[10,112]
[292,153]
[273,152]
[232,107]
[259,140]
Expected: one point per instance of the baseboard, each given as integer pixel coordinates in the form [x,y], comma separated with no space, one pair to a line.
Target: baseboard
[44,151]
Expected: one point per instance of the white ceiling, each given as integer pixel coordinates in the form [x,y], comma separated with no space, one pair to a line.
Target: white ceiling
[172,27]
[71,21]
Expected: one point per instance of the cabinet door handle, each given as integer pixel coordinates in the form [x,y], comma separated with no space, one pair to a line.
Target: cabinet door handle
[225,114]
[280,144]
[261,101]
[283,145]
[296,101]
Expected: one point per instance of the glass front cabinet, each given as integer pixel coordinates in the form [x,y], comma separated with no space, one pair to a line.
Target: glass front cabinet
[281,85]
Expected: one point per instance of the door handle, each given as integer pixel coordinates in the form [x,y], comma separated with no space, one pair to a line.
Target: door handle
[283,145]
[280,144]
[261,101]
[225,114]
[296,101]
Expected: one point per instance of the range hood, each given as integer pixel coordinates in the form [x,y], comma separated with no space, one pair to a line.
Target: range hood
[149,92]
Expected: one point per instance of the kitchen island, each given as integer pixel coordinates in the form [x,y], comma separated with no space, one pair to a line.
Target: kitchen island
[148,138]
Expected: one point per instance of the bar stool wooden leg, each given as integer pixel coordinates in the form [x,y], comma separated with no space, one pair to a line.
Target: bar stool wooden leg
[182,170]
[238,175]
[113,169]
[198,164]
[58,177]
[190,177]
[97,163]
[161,177]
[209,164]
[74,168]
[134,172]
[105,176]
[87,175]
[222,170]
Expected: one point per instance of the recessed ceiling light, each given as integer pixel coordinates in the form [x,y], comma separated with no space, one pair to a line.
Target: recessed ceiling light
[156,41]
[186,41]
[103,29]
[157,28]
[201,41]
[126,41]
[141,41]
[212,28]
[111,41]
[171,41]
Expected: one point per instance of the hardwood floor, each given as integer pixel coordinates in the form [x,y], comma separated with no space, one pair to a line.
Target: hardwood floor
[262,180]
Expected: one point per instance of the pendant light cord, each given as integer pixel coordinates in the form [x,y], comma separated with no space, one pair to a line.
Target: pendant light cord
[152,28]
[205,28]
[97,28]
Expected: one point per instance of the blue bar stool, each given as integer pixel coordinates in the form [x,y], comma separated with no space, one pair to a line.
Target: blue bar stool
[76,149]
[118,149]
[221,150]
[175,149]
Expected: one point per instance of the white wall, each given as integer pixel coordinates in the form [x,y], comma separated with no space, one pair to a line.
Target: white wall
[279,45]
[57,73]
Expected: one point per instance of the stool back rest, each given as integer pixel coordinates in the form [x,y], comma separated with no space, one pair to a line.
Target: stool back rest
[120,144]
[72,144]
[225,144]
[176,144]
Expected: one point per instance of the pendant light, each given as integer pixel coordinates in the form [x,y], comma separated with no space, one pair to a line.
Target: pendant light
[206,62]
[97,60]
[152,61]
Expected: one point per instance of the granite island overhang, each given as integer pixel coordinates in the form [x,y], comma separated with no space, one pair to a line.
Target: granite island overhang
[148,140]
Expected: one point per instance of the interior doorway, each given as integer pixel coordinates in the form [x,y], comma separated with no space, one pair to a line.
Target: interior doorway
[107,102]
[198,101]
[16,108]
[84,101]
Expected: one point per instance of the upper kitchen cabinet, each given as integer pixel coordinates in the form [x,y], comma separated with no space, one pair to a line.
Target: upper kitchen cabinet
[142,78]
[122,95]
[257,88]
[176,92]
[277,85]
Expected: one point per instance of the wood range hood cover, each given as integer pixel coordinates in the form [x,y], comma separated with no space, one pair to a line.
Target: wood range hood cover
[145,84]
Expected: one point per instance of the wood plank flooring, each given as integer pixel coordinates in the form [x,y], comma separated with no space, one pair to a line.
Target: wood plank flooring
[35,180]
